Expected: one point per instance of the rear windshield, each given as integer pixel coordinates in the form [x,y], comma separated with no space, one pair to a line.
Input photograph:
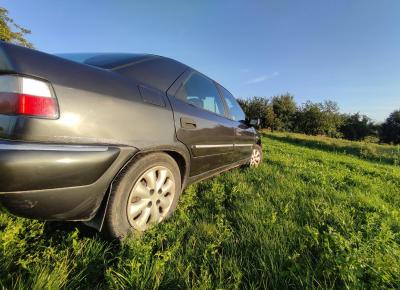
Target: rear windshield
[105,60]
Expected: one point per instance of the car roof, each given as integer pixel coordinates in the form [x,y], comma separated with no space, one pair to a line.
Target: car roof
[154,70]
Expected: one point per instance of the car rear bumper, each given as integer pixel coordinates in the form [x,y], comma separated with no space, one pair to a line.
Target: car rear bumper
[57,182]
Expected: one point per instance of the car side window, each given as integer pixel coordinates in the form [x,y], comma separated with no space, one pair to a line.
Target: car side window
[235,111]
[201,92]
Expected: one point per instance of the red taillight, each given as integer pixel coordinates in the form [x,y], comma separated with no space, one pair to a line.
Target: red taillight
[37,106]
[29,97]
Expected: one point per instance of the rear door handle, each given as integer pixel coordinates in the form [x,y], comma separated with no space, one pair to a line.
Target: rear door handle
[188,123]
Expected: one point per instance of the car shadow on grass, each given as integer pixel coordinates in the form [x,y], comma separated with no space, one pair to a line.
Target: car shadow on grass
[63,228]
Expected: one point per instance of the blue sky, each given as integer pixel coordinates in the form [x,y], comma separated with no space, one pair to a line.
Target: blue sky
[343,50]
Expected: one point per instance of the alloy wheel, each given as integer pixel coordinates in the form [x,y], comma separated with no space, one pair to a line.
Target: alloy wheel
[151,198]
[255,159]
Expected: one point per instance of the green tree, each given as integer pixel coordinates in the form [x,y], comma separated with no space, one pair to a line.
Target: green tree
[390,130]
[271,121]
[284,108]
[356,127]
[256,108]
[12,32]
[309,119]
[318,119]
[332,118]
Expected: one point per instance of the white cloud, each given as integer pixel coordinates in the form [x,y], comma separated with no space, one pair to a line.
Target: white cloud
[262,78]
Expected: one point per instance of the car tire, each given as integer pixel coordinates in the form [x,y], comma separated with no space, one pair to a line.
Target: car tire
[256,156]
[146,192]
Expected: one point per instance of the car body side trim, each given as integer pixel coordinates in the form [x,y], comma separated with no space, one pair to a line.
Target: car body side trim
[223,145]
[48,147]
[213,146]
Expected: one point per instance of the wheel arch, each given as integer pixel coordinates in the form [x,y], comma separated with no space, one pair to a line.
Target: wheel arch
[179,155]
[182,164]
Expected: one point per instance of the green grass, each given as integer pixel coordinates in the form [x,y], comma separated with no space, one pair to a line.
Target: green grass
[312,216]
[370,151]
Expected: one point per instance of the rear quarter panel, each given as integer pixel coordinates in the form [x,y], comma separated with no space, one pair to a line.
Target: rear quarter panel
[97,106]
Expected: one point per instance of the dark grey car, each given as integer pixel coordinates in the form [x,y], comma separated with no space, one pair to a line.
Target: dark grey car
[111,139]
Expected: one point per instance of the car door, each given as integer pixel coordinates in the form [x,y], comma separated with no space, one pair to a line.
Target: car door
[244,135]
[201,122]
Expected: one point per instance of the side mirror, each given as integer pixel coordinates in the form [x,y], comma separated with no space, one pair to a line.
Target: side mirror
[255,122]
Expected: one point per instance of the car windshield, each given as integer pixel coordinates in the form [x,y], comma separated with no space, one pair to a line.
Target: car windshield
[105,60]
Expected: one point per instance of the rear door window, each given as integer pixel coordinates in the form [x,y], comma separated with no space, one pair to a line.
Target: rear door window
[201,92]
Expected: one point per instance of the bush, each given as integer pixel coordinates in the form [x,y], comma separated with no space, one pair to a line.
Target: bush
[284,107]
[357,127]
[390,130]
[318,119]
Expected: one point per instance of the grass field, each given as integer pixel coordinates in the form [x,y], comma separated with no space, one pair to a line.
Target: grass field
[319,213]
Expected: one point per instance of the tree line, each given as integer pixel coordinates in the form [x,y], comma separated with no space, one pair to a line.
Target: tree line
[282,113]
